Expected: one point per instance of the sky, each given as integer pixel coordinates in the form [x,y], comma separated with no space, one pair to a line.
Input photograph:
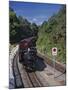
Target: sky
[34,12]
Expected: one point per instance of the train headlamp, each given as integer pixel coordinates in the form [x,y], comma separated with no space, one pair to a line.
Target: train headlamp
[28,49]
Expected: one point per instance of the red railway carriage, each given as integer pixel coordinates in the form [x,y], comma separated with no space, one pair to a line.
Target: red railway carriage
[28,42]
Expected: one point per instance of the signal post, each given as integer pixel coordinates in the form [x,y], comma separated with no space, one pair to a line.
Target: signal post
[54,54]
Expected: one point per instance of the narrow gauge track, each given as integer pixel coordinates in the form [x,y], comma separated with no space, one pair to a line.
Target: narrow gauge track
[34,80]
[16,73]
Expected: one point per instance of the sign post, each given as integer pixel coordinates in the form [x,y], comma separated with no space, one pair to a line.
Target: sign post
[54,54]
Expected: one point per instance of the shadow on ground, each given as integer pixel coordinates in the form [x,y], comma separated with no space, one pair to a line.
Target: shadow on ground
[39,64]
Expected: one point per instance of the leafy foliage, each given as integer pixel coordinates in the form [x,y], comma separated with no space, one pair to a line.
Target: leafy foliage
[53,34]
[20,27]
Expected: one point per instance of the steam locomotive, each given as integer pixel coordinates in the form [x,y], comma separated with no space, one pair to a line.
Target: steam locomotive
[27,52]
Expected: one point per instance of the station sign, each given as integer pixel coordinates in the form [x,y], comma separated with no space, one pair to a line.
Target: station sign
[54,51]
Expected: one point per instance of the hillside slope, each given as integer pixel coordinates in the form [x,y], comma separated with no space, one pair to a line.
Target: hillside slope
[52,33]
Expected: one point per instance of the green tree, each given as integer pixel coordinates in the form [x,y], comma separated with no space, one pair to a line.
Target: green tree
[53,34]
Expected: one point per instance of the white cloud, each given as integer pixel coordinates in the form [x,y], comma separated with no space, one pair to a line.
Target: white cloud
[38,19]
[34,19]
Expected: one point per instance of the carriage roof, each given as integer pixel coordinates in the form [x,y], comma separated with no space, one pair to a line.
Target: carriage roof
[27,39]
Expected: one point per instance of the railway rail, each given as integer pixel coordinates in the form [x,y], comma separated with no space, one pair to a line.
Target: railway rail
[30,79]
[34,79]
[16,73]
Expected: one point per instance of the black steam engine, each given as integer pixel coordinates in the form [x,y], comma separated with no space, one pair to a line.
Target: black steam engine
[27,53]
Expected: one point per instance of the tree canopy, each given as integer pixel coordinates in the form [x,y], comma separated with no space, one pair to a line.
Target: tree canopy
[20,27]
[52,33]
